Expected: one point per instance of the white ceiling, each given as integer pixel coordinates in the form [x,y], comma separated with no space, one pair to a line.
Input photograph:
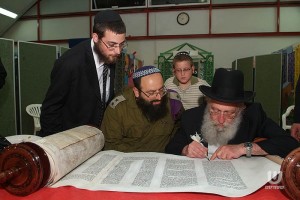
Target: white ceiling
[17,6]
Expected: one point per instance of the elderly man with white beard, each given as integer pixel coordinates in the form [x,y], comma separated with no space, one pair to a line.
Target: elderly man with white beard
[229,123]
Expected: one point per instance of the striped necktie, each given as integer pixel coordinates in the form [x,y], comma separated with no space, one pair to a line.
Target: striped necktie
[105,71]
[103,102]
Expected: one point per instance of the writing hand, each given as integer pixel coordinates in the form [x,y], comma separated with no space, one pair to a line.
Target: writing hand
[229,152]
[195,150]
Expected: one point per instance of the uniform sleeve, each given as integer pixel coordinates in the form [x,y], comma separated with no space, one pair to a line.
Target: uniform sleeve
[51,111]
[112,128]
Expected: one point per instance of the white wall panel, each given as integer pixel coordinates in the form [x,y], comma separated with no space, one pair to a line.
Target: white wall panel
[136,24]
[23,30]
[165,23]
[244,20]
[64,6]
[65,28]
[225,50]
[290,19]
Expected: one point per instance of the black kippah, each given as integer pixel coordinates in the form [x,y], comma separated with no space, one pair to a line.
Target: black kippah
[107,16]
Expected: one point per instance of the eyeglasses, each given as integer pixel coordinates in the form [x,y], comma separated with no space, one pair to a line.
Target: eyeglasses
[162,92]
[112,47]
[182,71]
[227,114]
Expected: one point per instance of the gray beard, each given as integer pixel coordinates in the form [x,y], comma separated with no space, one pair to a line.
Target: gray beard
[217,136]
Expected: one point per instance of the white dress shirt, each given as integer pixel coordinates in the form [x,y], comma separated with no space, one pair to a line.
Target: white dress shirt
[99,67]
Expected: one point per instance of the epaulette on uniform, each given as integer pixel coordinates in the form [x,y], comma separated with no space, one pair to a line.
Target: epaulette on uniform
[116,101]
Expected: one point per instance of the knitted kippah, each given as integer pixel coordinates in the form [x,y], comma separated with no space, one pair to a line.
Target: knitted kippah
[145,71]
[107,16]
[183,53]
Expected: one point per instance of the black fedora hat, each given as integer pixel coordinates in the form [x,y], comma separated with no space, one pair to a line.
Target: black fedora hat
[228,87]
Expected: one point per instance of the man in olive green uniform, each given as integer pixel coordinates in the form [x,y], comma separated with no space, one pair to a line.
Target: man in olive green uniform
[144,117]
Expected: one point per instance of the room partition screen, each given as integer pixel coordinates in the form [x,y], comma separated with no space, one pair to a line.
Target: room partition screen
[8,120]
[35,65]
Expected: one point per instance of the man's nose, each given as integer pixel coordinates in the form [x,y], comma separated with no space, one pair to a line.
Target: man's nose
[221,118]
[118,50]
[158,96]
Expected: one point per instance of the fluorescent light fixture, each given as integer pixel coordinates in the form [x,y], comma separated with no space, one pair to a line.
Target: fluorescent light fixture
[8,13]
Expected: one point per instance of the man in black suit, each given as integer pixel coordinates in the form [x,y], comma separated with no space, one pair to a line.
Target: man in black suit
[227,126]
[82,80]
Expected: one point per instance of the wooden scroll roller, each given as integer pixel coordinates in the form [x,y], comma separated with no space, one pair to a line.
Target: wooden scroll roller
[29,166]
[291,174]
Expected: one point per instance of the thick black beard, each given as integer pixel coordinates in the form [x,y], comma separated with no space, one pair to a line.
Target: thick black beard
[153,112]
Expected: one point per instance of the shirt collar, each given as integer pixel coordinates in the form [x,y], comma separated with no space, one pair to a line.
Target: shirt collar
[96,57]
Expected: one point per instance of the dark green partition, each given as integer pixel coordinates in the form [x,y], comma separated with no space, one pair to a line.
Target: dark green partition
[35,65]
[268,84]
[246,66]
[8,121]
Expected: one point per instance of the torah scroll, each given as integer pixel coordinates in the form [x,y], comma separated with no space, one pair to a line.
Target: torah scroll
[68,149]
[28,166]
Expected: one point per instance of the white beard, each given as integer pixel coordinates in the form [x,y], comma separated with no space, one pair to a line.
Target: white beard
[218,136]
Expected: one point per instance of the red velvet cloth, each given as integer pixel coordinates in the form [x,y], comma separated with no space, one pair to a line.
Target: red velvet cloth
[71,193]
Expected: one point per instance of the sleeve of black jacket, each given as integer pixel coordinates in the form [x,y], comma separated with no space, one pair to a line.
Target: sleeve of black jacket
[190,124]
[277,141]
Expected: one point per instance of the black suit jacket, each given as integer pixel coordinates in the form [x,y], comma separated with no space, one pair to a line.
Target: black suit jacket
[255,124]
[73,97]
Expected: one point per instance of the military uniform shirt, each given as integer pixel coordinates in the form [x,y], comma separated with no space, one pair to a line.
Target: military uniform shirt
[126,129]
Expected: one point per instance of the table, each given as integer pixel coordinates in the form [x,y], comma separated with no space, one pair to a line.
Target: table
[72,193]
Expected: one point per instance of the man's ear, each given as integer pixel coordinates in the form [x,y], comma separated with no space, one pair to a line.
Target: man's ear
[193,69]
[136,92]
[95,37]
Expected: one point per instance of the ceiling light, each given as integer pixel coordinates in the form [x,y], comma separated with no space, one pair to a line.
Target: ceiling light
[8,13]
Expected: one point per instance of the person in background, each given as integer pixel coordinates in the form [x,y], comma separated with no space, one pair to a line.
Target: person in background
[82,80]
[3,74]
[142,118]
[184,82]
[295,130]
[227,126]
